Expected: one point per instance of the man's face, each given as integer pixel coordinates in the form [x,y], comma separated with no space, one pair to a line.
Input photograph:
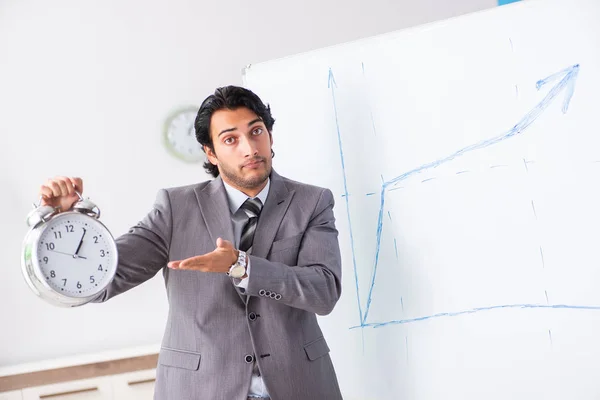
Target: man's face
[242,149]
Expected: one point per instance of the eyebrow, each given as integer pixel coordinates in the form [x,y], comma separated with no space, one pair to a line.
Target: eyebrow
[233,129]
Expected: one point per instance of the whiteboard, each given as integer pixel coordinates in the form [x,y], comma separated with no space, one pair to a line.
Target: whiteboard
[464,159]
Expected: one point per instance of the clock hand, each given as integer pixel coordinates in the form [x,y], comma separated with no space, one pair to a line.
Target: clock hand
[80,242]
[72,255]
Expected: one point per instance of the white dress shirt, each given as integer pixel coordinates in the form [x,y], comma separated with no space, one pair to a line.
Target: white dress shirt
[239,217]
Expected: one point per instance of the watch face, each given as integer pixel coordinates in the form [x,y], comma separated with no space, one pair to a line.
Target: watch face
[180,136]
[75,255]
[237,271]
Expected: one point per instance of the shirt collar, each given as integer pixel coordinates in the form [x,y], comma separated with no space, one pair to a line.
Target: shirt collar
[236,198]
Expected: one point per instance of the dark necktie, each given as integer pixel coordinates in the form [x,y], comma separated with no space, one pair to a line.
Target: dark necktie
[252,208]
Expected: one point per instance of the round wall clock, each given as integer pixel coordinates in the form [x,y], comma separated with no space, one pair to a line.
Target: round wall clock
[180,136]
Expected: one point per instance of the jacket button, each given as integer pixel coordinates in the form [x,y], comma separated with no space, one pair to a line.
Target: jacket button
[248,358]
[261,292]
[252,316]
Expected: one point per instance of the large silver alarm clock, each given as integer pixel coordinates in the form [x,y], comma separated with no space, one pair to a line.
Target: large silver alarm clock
[68,258]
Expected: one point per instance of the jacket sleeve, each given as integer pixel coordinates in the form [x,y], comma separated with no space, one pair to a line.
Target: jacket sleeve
[144,250]
[314,284]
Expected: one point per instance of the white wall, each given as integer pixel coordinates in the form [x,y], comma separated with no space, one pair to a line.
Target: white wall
[84,90]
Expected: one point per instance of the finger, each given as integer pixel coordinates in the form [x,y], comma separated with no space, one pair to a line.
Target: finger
[46,192]
[198,262]
[68,185]
[54,186]
[64,188]
[224,244]
[188,263]
[78,184]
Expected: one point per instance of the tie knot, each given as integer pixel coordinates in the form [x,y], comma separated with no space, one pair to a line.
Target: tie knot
[252,206]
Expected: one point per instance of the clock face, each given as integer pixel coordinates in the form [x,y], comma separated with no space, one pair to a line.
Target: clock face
[180,136]
[76,255]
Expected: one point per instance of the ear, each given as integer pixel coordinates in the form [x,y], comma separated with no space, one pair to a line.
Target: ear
[210,154]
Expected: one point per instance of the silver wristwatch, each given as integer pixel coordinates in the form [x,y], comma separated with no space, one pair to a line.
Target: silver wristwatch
[238,269]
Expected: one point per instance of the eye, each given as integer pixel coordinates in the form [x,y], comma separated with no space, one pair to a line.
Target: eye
[257,131]
[229,140]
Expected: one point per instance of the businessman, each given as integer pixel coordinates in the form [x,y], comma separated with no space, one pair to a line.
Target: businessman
[249,259]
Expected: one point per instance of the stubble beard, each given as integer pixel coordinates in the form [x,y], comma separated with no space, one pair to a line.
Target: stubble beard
[247,183]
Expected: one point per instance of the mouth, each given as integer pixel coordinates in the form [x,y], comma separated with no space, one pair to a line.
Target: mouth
[253,164]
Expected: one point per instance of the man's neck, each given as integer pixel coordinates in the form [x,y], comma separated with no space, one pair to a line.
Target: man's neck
[252,192]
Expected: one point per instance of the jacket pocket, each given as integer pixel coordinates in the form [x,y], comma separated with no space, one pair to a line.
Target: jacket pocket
[179,359]
[316,349]
[284,244]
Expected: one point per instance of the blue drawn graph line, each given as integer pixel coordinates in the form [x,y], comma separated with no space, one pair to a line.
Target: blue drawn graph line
[476,310]
[566,82]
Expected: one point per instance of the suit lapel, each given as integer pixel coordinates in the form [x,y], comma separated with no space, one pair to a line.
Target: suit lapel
[214,207]
[277,203]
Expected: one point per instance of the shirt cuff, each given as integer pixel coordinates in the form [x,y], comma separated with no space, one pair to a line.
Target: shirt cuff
[243,283]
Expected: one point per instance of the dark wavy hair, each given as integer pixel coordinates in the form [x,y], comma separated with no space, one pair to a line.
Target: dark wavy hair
[231,98]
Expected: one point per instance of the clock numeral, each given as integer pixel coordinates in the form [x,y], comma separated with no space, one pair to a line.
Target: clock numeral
[92,280]
[64,282]
[57,235]
[78,285]
[69,228]
[100,268]
[95,239]
[46,260]
[102,253]
[52,274]
[49,246]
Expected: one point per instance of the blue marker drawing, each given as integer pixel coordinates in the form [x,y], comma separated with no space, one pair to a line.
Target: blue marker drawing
[474,311]
[565,78]
[370,109]
[332,85]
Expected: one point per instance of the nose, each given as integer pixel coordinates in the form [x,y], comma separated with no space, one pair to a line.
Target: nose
[248,147]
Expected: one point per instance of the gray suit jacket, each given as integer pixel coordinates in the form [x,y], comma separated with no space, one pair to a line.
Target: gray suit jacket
[212,329]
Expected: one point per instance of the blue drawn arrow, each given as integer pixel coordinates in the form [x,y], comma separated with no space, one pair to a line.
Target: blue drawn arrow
[566,82]
[333,85]
[567,78]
